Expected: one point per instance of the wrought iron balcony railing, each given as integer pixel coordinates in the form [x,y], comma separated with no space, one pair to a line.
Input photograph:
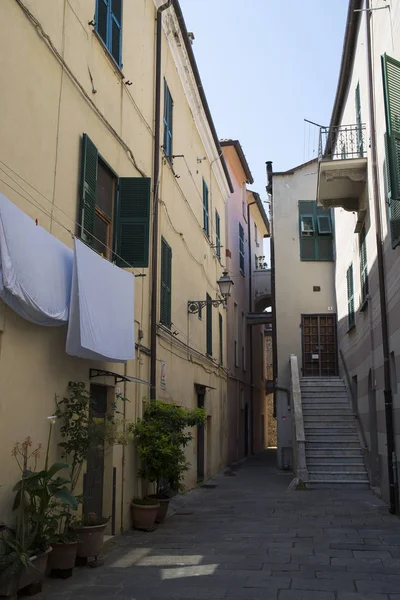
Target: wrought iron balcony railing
[342,142]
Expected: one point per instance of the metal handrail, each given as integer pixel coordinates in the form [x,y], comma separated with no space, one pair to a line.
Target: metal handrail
[341,142]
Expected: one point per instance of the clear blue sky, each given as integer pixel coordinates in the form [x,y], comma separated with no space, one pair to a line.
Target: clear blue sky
[265,66]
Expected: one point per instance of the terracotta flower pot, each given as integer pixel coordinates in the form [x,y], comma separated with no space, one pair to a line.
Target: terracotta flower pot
[32,574]
[144,515]
[162,511]
[90,540]
[63,556]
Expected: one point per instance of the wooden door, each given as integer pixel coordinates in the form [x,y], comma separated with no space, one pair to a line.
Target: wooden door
[94,478]
[319,345]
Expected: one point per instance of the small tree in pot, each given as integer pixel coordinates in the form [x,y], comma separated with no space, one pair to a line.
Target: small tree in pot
[161,436]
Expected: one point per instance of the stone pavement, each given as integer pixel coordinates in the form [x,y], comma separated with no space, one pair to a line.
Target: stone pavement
[249,538]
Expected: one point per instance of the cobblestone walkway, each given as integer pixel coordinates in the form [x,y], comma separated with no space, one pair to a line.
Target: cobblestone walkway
[249,538]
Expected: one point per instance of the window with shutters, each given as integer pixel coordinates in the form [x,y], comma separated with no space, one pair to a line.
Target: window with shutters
[360,145]
[114,214]
[166,284]
[363,267]
[209,326]
[391,86]
[108,20]
[168,110]
[315,232]
[206,220]
[241,249]
[221,344]
[350,297]
[217,235]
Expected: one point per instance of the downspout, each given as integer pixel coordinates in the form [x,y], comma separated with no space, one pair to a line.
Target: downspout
[390,440]
[156,177]
[273,289]
[251,331]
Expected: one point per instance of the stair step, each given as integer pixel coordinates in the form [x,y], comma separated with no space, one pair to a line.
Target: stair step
[339,467]
[328,420]
[328,443]
[329,425]
[327,411]
[336,453]
[337,476]
[337,485]
[320,394]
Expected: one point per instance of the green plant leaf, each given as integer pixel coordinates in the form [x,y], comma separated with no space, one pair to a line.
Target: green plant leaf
[58,466]
[65,496]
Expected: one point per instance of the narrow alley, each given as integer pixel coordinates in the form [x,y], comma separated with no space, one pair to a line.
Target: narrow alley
[245,536]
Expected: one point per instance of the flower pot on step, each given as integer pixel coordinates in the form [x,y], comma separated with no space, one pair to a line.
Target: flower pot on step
[63,556]
[90,540]
[162,511]
[144,514]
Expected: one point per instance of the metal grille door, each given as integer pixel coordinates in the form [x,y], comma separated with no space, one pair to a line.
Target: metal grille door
[319,345]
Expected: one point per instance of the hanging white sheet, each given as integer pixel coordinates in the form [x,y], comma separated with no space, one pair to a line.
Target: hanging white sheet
[101,324]
[35,268]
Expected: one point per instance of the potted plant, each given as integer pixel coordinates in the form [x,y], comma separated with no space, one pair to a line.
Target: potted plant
[161,436]
[144,513]
[27,546]
[80,434]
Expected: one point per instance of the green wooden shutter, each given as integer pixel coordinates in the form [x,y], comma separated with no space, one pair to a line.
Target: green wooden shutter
[241,248]
[221,346]
[206,226]
[87,210]
[102,18]
[360,145]
[323,234]
[209,325]
[363,265]
[168,109]
[350,297]
[391,85]
[394,206]
[133,222]
[307,242]
[166,284]
[218,235]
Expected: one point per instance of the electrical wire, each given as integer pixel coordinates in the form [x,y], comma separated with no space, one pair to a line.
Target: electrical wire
[209,371]
[40,207]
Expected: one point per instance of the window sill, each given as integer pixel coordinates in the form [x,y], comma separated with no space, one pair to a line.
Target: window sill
[109,56]
[243,274]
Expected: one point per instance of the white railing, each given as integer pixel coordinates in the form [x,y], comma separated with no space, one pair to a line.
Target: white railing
[299,439]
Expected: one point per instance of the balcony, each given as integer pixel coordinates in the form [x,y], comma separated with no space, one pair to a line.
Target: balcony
[342,167]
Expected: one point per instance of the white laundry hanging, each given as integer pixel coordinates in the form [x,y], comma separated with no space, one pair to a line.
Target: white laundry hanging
[101,324]
[35,268]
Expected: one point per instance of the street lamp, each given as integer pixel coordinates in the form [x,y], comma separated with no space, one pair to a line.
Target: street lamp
[225,283]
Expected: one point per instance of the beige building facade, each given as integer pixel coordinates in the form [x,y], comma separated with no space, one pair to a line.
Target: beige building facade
[83,100]
[303,274]
[358,177]
[247,226]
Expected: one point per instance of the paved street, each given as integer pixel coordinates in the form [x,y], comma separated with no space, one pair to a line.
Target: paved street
[249,538]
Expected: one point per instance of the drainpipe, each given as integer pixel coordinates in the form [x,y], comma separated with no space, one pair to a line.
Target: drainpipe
[251,331]
[273,290]
[156,177]
[390,439]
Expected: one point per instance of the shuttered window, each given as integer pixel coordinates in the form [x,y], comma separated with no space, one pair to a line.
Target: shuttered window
[221,344]
[114,212]
[206,220]
[363,266]
[168,110]
[360,145]
[350,297]
[108,21]
[217,235]
[315,232]
[209,326]
[166,284]
[391,86]
[241,249]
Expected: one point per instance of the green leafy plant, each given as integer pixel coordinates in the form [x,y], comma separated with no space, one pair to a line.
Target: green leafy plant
[161,436]
[144,501]
[90,520]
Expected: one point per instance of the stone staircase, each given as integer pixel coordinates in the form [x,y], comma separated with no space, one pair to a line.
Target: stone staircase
[333,449]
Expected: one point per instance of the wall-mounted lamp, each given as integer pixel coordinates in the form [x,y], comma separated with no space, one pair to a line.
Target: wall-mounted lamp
[225,283]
